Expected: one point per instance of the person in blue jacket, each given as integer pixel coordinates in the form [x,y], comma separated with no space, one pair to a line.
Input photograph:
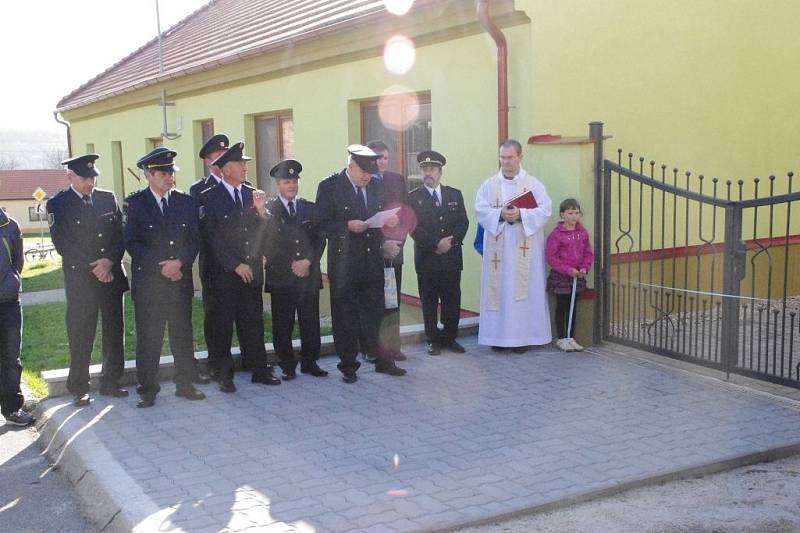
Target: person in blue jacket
[11,260]
[161,235]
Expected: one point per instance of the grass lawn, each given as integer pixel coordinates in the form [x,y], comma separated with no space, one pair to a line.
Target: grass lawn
[44,338]
[42,275]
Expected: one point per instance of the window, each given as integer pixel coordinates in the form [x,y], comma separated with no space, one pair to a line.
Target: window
[154,142]
[89,148]
[403,122]
[274,142]
[37,213]
[206,132]
[118,168]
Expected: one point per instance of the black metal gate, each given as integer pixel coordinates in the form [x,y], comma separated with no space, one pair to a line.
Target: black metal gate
[699,269]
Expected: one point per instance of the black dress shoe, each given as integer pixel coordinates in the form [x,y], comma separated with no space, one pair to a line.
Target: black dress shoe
[116,392]
[146,401]
[226,385]
[350,378]
[201,378]
[390,369]
[82,400]
[189,392]
[434,348]
[455,347]
[498,348]
[265,377]
[289,375]
[313,370]
[520,349]
[397,355]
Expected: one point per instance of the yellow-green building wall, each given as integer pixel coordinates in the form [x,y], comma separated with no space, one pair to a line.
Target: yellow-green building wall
[708,85]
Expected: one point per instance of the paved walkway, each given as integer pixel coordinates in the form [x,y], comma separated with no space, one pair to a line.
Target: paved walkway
[43,297]
[459,440]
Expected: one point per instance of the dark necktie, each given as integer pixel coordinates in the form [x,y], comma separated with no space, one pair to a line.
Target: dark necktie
[436,199]
[87,200]
[237,198]
[362,195]
[291,209]
[164,206]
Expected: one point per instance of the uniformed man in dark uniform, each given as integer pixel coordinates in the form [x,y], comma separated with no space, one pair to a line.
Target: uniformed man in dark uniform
[236,218]
[395,190]
[211,150]
[86,228]
[292,273]
[162,237]
[355,259]
[441,226]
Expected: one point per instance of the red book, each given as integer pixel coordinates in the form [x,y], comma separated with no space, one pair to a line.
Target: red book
[525,200]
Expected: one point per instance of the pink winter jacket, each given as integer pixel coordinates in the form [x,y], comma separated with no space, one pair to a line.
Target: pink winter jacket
[569,249]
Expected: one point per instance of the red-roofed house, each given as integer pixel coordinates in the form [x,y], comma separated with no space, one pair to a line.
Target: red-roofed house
[305,78]
[16,194]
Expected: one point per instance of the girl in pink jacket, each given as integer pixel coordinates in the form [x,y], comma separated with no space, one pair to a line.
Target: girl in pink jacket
[569,254]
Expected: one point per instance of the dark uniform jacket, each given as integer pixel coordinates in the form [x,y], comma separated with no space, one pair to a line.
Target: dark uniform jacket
[352,257]
[151,237]
[195,191]
[234,237]
[433,223]
[11,258]
[83,234]
[293,238]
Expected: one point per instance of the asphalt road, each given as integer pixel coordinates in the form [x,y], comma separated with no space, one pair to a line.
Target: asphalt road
[33,497]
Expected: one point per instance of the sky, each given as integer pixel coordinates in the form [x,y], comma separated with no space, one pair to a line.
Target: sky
[51,47]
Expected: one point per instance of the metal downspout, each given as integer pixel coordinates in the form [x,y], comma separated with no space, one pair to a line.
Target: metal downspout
[502,68]
[69,134]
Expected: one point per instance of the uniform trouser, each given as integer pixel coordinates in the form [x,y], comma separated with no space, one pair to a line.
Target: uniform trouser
[11,398]
[208,328]
[389,332]
[243,305]
[84,299]
[441,286]
[354,304]
[163,307]
[208,323]
[284,306]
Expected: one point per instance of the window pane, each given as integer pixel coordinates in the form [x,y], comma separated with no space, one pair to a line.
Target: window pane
[266,152]
[374,130]
[207,131]
[417,137]
[287,136]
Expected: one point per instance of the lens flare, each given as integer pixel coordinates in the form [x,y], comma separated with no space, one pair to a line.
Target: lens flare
[396,460]
[398,7]
[398,107]
[399,54]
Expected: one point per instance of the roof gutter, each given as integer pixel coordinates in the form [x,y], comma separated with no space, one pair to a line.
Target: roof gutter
[69,133]
[502,68]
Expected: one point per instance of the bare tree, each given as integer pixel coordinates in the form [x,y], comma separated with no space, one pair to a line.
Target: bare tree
[8,162]
[52,157]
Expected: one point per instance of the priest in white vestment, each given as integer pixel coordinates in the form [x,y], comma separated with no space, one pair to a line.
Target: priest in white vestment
[514,310]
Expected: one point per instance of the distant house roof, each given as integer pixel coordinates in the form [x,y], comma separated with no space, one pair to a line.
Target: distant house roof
[20,184]
[222,32]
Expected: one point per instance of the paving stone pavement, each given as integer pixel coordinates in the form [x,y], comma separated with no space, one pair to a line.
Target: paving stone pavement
[460,439]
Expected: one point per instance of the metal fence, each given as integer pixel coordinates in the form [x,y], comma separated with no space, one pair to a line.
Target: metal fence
[699,269]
